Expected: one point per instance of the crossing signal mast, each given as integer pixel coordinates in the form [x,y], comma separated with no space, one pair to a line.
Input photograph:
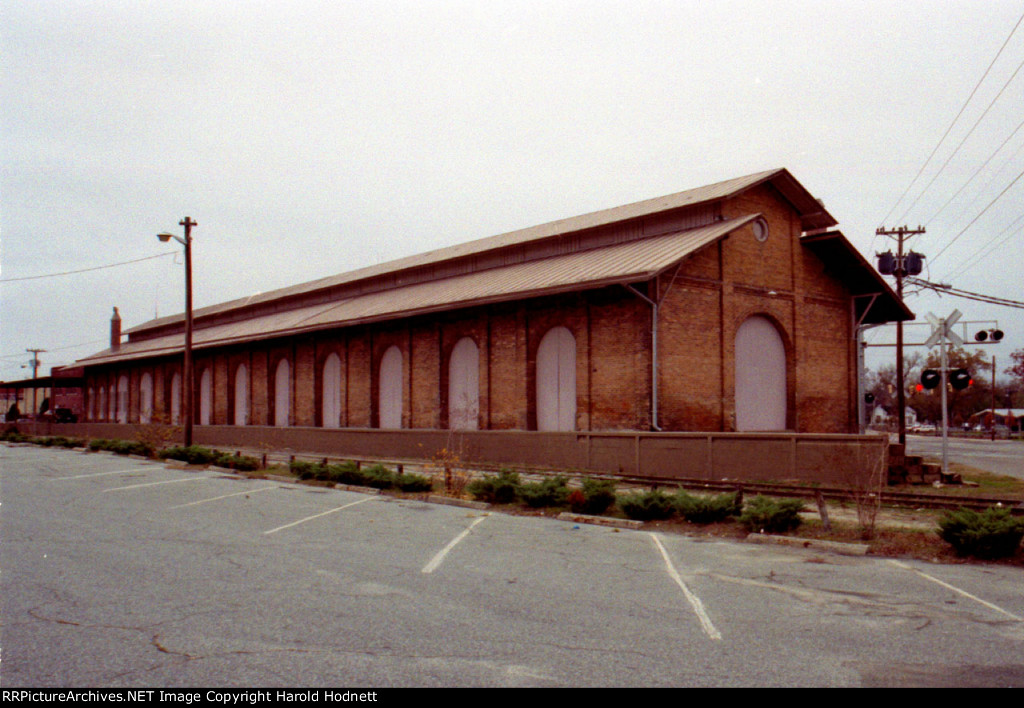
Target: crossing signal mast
[900,265]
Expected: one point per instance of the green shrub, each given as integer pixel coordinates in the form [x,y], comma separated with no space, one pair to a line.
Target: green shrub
[594,498]
[345,473]
[131,447]
[14,436]
[409,482]
[97,444]
[552,491]
[193,454]
[377,476]
[701,509]
[304,469]
[772,515]
[992,533]
[243,463]
[495,489]
[647,506]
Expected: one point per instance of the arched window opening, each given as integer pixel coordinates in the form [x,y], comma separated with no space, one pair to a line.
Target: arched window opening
[390,401]
[556,381]
[176,399]
[206,397]
[122,399]
[146,399]
[760,376]
[282,394]
[464,386]
[241,395]
[331,405]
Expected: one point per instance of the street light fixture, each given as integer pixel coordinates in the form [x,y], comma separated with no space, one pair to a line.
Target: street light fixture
[187,368]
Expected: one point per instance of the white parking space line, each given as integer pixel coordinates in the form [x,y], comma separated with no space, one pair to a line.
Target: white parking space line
[101,474]
[957,590]
[224,496]
[695,603]
[153,484]
[317,516]
[439,558]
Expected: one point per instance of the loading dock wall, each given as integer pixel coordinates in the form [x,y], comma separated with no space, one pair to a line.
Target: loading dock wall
[804,457]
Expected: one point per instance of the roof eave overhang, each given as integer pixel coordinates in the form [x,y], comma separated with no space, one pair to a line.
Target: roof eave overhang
[848,265]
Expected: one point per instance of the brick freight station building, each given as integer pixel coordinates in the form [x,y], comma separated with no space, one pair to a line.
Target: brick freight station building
[731,307]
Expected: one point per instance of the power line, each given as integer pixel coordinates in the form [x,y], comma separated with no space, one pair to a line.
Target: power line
[58,349]
[975,219]
[85,270]
[950,290]
[976,173]
[955,119]
[969,262]
[963,140]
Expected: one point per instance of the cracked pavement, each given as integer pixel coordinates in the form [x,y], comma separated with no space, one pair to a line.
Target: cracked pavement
[130,588]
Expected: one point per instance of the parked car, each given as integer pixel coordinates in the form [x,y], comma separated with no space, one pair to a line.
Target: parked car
[64,415]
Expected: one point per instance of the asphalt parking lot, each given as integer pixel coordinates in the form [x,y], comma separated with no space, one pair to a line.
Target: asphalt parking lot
[122,572]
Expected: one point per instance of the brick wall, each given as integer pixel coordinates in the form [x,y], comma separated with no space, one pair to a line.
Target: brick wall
[704,303]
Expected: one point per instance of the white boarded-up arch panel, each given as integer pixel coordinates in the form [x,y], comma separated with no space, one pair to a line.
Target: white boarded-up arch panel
[556,380]
[282,394]
[122,399]
[146,399]
[206,397]
[241,395]
[390,393]
[760,376]
[331,406]
[176,399]
[464,386]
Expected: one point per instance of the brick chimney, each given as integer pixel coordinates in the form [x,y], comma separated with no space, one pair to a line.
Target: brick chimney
[115,330]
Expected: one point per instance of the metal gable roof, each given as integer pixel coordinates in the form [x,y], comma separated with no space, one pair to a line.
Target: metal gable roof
[635,261]
[813,216]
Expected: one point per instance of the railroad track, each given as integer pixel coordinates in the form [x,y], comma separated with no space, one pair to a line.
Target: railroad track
[889,496]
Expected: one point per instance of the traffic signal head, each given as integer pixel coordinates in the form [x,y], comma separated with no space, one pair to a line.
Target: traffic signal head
[960,379]
[930,378]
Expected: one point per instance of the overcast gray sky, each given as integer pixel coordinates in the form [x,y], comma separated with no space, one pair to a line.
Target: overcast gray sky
[308,138]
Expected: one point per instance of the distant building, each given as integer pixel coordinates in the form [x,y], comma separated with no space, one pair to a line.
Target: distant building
[1010,417]
[63,388]
[728,307]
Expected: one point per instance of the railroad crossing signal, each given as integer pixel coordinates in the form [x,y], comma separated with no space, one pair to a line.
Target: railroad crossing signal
[943,330]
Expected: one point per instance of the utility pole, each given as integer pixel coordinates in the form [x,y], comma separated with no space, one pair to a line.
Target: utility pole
[993,426]
[35,373]
[900,271]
